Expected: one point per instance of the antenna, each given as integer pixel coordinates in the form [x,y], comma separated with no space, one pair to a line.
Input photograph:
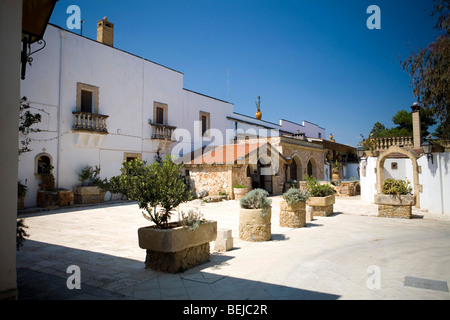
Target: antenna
[228,84]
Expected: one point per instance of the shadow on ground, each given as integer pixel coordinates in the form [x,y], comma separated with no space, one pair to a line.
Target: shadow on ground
[42,275]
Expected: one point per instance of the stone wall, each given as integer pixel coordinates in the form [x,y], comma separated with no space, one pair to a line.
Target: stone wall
[213,179]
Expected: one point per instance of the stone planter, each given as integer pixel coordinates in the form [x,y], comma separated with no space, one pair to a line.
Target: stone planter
[177,249]
[254,224]
[54,198]
[292,216]
[88,195]
[395,206]
[239,193]
[321,206]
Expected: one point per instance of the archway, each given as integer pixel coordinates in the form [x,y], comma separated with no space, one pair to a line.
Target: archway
[295,169]
[411,154]
[265,180]
[311,168]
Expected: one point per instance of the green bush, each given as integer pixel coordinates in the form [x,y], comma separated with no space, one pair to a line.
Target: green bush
[239,186]
[88,174]
[157,185]
[294,196]
[398,187]
[256,199]
[317,189]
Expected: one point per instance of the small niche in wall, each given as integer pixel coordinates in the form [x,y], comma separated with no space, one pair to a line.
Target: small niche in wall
[394,165]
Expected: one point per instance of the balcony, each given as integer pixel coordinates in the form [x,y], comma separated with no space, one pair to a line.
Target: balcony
[162,131]
[384,143]
[90,122]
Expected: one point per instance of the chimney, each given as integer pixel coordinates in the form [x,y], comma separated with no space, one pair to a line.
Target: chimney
[105,32]
[417,137]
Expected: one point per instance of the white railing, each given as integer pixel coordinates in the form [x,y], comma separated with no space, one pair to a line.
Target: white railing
[384,143]
[162,131]
[90,122]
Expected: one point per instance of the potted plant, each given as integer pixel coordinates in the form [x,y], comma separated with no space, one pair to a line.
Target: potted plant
[293,208]
[89,192]
[159,188]
[396,199]
[239,191]
[335,172]
[258,114]
[255,216]
[322,197]
[21,193]
[49,197]
[370,146]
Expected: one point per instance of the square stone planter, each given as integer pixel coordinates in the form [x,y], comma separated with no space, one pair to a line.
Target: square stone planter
[321,206]
[255,224]
[54,198]
[395,206]
[177,249]
[88,195]
[292,216]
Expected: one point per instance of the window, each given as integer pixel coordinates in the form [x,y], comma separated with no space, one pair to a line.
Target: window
[127,156]
[205,123]
[86,101]
[87,98]
[160,113]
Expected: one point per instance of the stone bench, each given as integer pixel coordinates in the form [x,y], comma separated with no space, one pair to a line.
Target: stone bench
[224,240]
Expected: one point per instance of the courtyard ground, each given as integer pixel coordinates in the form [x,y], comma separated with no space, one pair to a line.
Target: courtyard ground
[352,254]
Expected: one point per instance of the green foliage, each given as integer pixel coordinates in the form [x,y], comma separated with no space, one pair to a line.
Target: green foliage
[192,219]
[256,199]
[403,121]
[26,121]
[158,188]
[317,189]
[292,183]
[398,187]
[20,233]
[336,167]
[88,174]
[429,69]
[368,144]
[21,189]
[239,186]
[294,196]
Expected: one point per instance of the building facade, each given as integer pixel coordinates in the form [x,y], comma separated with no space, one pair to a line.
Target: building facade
[101,106]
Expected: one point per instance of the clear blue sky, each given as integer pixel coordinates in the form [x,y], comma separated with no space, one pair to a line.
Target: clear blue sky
[308,60]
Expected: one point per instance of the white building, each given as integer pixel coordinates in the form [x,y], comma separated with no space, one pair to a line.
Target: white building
[101,106]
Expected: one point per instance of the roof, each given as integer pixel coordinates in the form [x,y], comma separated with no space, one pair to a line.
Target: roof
[230,154]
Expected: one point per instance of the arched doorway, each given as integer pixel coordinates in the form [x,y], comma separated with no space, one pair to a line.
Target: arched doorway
[411,154]
[265,174]
[311,168]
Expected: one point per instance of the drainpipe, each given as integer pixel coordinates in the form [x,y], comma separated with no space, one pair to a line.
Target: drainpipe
[62,35]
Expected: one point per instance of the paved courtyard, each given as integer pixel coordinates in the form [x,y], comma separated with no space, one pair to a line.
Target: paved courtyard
[350,255]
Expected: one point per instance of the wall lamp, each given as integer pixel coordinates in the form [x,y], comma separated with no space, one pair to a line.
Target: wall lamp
[427,147]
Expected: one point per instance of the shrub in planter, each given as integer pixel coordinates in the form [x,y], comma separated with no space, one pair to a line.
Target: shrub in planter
[239,191]
[322,197]
[159,188]
[88,192]
[21,193]
[396,199]
[293,208]
[255,216]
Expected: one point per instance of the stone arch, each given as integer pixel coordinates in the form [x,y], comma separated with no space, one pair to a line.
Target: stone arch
[411,154]
[295,170]
[311,168]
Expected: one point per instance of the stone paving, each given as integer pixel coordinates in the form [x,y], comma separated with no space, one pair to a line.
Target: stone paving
[352,254]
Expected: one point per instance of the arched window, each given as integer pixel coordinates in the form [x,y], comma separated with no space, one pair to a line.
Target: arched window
[43,162]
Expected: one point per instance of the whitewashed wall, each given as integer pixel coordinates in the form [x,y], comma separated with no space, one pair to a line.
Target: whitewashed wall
[308,128]
[128,87]
[434,178]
